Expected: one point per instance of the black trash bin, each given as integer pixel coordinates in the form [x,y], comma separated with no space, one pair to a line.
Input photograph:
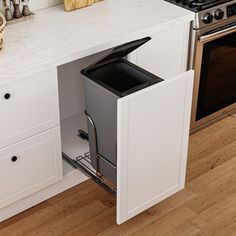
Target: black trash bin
[107,80]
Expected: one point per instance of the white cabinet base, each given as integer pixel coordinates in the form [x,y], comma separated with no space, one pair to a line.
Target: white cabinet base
[132,196]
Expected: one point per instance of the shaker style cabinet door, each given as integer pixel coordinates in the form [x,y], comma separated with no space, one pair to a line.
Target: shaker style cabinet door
[28,107]
[29,166]
[152,140]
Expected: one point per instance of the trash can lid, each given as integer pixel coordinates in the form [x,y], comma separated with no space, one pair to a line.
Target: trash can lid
[117,53]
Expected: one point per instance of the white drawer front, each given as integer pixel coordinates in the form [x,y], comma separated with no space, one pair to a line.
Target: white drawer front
[29,166]
[28,108]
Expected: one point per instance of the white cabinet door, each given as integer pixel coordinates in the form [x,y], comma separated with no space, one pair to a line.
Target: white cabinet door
[28,107]
[166,54]
[153,126]
[29,166]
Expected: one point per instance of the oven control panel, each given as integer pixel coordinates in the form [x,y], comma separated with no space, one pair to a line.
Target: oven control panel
[231,10]
[215,15]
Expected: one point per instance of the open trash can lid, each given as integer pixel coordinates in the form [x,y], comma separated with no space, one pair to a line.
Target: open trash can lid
[116,53]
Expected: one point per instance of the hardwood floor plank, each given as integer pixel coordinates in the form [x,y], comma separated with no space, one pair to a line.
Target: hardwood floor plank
[211,161]
[30,223]
[186,229]
[226,227]
[217,213]
[221,184]
[63,223]
[233,115]
[214,178]
[174,218]
[211,139]
[94,226]
[23,215]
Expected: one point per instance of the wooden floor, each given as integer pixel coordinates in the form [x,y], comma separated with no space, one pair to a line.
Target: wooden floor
[206,207]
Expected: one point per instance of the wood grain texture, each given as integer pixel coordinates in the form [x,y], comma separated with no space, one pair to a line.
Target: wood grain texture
[70,5]
[2,28]
[207,206]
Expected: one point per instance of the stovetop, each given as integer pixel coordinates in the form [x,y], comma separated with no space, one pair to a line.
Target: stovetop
[197,5]
[209,12]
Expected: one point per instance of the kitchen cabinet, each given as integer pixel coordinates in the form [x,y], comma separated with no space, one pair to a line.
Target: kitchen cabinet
[152,139]
[30,141]
[43,108]
[148,123]
[152,136]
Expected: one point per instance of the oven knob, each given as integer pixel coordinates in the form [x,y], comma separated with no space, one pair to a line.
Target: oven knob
[184,2]
[191,3]
[207,18]
[219,14]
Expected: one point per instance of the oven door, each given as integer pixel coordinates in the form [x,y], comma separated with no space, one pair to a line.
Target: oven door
[214,92]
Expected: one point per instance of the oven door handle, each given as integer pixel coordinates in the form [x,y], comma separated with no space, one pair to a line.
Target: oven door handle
[217,34]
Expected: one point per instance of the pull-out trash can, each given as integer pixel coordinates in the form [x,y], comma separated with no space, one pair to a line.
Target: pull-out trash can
[107,80]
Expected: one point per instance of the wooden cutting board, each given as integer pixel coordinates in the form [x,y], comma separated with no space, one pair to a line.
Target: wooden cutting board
[2,28]
[76,4]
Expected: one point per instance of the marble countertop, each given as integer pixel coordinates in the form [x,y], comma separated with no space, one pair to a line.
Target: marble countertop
[55,37]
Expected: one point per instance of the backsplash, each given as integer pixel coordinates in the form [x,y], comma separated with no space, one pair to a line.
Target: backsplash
[39,4]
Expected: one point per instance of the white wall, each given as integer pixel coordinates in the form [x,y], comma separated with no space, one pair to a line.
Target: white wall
[40,4]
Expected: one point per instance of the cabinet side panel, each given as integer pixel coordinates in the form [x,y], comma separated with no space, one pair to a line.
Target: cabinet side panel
[186,129]
[166,54]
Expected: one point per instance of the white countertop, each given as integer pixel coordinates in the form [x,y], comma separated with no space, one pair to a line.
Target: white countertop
[55,37]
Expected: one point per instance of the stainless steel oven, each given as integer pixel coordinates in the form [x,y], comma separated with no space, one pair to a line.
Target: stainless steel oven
[213,57]
[214,62]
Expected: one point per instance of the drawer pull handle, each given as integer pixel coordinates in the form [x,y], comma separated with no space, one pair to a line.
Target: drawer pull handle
[7,96]
[14,159]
